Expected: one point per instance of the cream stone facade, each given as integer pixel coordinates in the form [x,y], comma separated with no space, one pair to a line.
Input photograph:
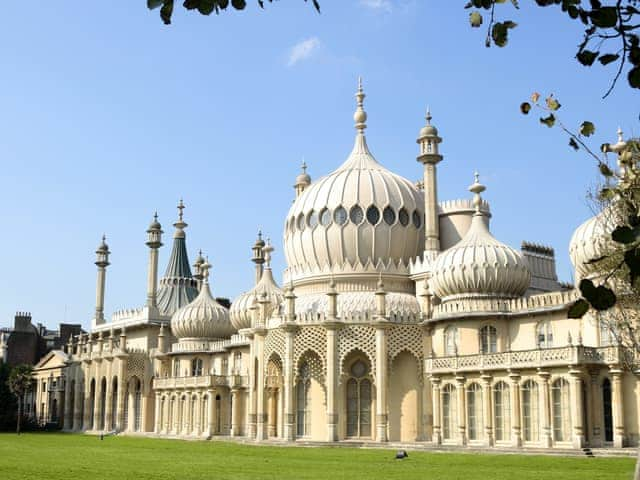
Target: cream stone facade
[402,320]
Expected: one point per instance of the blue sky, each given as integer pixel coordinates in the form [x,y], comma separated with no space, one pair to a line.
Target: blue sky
[107,115]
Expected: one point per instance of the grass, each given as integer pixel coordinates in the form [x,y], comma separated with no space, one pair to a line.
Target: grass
[68,456]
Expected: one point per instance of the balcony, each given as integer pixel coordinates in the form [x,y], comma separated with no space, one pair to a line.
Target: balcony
[539,358]
[204,381]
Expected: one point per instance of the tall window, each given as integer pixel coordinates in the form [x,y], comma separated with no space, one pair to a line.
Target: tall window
[544,335]
[451,341]
[606,334]
[607,410]
[196,367]
[448,411]
[488,339]
[137,407]
[172,412]
[176,367]
[530,417]
[237,363]
[501,413]
[561,413]
[359,401]
[192,414]
[474,411]
[225,366]
[303,401]
[114,404]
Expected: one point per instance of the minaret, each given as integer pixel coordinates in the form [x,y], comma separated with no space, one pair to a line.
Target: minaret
[102,262]
[258,256]
[302,181]
[154,242]
[429,140]
[197,268]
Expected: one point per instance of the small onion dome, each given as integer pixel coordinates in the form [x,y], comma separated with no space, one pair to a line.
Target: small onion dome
[303,178]
[203,318]
[103,247]
[590,241]
[479,266]
[199,260]
[155,224]
[428,130]
[241,308]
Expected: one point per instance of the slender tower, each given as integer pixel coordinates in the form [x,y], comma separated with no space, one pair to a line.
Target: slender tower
[102,262]
[258,256]
[154,242]
[302,181]
[428,140]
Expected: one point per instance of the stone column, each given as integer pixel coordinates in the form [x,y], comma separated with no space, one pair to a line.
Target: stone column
[251,404]
[596,410]
[131,411]
[235,408]
[488,414]
[617,403]
[272,429]
[381,381]
[289,367]
[120,401]
[78,401]
[157,424]
[516,435]
[462,410]
[211,413]
[332,381]
[87,406]
[108,407]
[261,417]
[545,413]
[68,414]
[577,410]
[437,433]
[187,425]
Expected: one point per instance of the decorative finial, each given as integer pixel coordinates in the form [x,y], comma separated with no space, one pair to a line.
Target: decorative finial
[620,135]
[267,249]
[380,284]
[360,117]
[155,215]
[477,188]
[304,166]
[204,270]
[428,117]
[180,209]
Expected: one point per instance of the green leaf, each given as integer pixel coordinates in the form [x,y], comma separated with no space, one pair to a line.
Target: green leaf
[525,107]
[604,17]
[552,103]
[608,58]
[548,121]
[605,170]
[587,57]
[578,309]
[600,298]
[206,7]
[587,128]
[238,4]
[166,11]
[152,4]
[624,235]
[634,77]
[500,31]
[632,261]
[475,19]
[587,288]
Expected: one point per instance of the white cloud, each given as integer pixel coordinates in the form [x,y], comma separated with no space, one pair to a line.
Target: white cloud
[303,50]
[378,5]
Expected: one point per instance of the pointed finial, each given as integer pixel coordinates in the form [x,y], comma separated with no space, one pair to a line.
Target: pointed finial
[428,117]
[620,135]
[181,207]
[477,188]
[267,253]
[204,270]
[155,215]
[304,166]
[360,117]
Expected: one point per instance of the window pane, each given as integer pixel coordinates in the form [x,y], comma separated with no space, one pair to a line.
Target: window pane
[417,219]
[340,216]
[356,215]
[325,217]
[389,216]
[373,215]
[403,217]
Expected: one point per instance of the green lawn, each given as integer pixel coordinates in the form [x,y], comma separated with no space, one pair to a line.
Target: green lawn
[67,457]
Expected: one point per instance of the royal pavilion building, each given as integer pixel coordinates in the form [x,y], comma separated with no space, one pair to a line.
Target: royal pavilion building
[399,318]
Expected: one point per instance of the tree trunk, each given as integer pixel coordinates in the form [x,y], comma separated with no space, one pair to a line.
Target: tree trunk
[19,414]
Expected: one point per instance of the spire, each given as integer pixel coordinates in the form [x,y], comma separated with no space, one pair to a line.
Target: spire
[360,117]
[477,188]
[268,249]
[258,256]
[303,180]
[177,286]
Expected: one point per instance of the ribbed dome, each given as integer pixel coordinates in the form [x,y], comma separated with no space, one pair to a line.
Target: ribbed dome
[204,318]
[357,218]
[241,312]
[480,266]
[590,241]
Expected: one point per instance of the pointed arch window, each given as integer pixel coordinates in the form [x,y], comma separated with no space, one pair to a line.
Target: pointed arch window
[373,215]
[356,214]
[340,215]
[303,401]
[389,216]
[417,219]
[359,401]
[403,217]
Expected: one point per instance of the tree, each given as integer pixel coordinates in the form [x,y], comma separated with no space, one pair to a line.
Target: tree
[19,383]
[7,400]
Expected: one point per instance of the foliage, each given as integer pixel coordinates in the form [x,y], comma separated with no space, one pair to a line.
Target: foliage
[19,383]
[8,404]
[70,457]
[609,31]
[205,7]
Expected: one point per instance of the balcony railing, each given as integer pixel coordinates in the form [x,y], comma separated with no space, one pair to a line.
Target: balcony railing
[540,358]
[203,381]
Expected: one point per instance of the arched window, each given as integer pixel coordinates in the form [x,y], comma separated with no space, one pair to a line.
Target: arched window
[389,215]
[114,404]
[359,401]
[488,339]
[196,367]
[325,217]
[356,214]
[172,412]
[501,411]
[301,222]
[403,217]
[176,367]
[474,411]
[340,216]
[561,413]
[373,215]
[544,335]
[92,404]
[448,412]
[606,334]
[303,401]
[312,219]
[451,340]
[607,410]
[417,219]
[137,406]
[530,416]
[192,414]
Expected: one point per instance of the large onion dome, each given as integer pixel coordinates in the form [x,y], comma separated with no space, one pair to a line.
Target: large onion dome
[479,266]
[360,218]
[241,308]
[590,241]
[203,318]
